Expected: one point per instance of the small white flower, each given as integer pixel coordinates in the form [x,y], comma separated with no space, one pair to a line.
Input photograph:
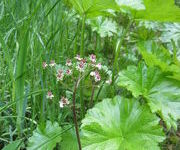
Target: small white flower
[78,57]
[64,101]
[60,75]
[49,95]
[81,66]
[61,105]
[92,73]
[97,76]
[44,65]
[92,58]
[52,63]
[68,62]
[69,72]
[99,66]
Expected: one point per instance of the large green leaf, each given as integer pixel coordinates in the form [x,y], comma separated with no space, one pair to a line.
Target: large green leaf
[45,139]
[155,55]
[121,124]
[69,140]
[154,10]
[161,93]
[158,56]
[175,69]
[93,8]
[159,10]
[15,145]
[103,26]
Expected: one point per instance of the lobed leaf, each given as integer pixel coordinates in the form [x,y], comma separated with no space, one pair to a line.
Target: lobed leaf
[93,8]
[121,124]
[45,139]
[159,10]
[161,93]
[15,145]
[160,57]
[69,141]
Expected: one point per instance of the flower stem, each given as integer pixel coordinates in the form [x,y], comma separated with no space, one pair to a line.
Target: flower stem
[92,96]
[82,55]
[82,36]
[74,113]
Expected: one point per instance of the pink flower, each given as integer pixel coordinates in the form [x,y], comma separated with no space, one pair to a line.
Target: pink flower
[81,65]
[44,65]
[68,72]
[78,57]
[60,75]
[64,101]
[93,58]
[83,60]
[97,76]
[49,95]
[68,62]
[52,63]
[99,66]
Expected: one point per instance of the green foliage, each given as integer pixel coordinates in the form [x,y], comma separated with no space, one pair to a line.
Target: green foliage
[162,94]
[46,138]
[15,145]
[121,124]
[37,31]
[135,4]
[20,77]
[103,26]
[155,55]
[171,31]
[93,8]
[69,140]
[159,10]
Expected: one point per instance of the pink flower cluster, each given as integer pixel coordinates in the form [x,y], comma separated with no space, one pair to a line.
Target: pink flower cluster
[80,65]
[51,64]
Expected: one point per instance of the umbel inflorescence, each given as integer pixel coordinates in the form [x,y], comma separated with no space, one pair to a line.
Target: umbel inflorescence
[78,68]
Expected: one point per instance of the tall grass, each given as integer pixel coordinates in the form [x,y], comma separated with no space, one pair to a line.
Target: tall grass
[20,76]
[27,37]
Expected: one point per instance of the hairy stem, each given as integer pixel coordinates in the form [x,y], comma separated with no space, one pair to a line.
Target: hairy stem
[74,113]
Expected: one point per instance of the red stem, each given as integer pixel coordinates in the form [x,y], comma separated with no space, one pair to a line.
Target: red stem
[74,113]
